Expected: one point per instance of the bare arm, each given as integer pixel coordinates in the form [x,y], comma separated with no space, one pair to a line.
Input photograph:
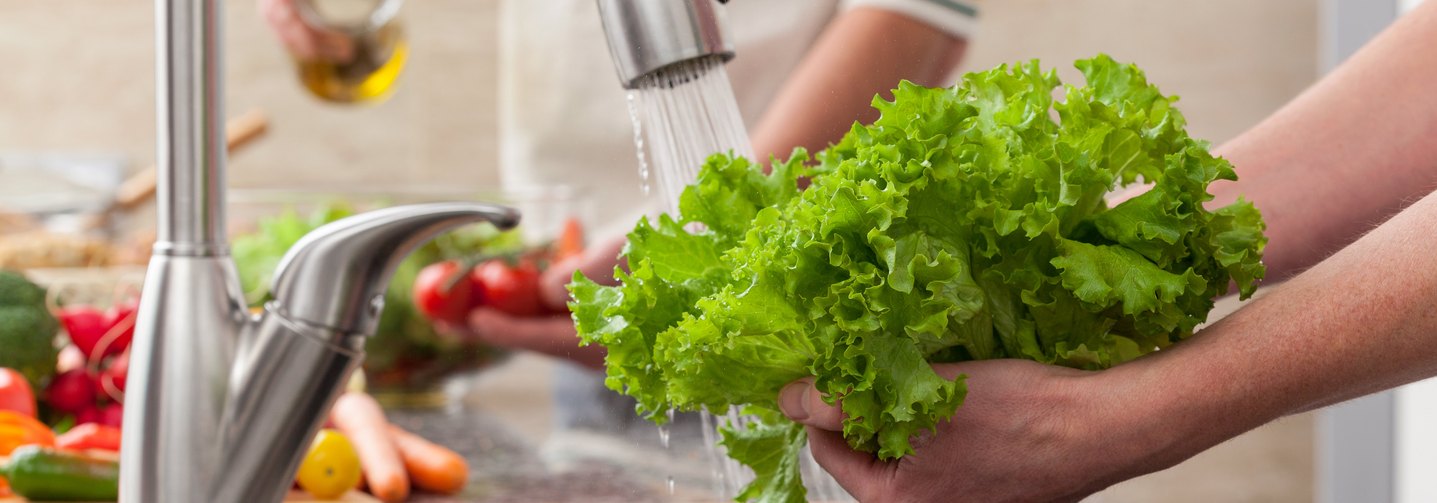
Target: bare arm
[865,51]
[1349,152]
[1361,321]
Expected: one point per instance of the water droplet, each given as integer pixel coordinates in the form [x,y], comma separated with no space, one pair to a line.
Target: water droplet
[671,485]
[639,141]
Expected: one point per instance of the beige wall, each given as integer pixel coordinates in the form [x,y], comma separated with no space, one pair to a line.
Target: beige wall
[81,77]
[1232,61]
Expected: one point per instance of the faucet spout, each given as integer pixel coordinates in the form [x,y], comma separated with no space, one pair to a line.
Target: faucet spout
[336,276]
[295,360]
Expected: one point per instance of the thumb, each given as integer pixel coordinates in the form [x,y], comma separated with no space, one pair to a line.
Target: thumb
[803,403]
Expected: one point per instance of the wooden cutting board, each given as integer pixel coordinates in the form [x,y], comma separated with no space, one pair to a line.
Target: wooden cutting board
[294,497]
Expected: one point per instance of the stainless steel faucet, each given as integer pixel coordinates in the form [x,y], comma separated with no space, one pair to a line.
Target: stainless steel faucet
[222,404]
[648,35]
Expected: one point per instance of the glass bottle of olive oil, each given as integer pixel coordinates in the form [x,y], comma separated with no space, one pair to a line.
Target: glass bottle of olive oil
[357,50]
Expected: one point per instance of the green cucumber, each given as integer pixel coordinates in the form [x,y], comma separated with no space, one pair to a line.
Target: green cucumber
[43,474]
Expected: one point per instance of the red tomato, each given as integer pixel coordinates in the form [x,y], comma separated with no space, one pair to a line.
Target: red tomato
[512,289]
[437,302]
[71,392]
[15,393]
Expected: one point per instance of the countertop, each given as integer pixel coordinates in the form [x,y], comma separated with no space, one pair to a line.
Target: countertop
[502,423]
[504,467]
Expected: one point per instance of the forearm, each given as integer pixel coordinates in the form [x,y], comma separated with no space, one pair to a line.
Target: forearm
[1346,154]
[864,52]
[1362,321]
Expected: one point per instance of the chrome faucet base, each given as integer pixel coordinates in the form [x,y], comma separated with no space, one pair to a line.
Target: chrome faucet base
[179,373]
[285,380]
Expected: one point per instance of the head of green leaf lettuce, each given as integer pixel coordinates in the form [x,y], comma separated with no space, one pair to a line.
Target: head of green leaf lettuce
[965,223]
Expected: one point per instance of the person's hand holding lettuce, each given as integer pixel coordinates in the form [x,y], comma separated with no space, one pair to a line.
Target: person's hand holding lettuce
[966,223]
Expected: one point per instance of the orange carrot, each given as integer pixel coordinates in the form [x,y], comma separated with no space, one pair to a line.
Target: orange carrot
[359,417]
[432,466]
[570,242]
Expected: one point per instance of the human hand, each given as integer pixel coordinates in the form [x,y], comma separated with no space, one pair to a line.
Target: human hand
[1026,432]
[553,334]
[304,42]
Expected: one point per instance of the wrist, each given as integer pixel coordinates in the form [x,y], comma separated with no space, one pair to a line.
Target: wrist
[1153,414]
[1174,404]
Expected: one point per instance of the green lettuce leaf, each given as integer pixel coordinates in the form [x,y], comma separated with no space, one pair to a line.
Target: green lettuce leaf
[965,223]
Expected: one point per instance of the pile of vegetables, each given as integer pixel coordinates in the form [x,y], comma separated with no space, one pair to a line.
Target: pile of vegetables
[966,223]
[78,464]
[392,462]
[61,443]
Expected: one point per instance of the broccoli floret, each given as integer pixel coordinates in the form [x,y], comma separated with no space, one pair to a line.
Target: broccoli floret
[15,290]
[27,329]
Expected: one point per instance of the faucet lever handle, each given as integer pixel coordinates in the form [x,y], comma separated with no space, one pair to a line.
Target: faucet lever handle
[335,277]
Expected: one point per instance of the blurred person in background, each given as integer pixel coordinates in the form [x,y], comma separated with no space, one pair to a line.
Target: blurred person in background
[804,71]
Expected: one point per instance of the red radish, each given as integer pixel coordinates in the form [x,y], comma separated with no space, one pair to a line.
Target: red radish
[86,327]
[112,415]
[71,392]
[121,318]
[112,379]
[71,358]
[87,416]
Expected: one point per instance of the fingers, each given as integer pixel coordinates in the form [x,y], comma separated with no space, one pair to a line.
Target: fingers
[552,336]
[597,263]
[283,18]
[554,284]
[803,403]
[861,474]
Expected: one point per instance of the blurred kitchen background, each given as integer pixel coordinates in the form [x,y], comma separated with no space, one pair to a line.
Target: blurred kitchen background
[79,77]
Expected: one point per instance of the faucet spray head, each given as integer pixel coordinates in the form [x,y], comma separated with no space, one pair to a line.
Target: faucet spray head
[647,35]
